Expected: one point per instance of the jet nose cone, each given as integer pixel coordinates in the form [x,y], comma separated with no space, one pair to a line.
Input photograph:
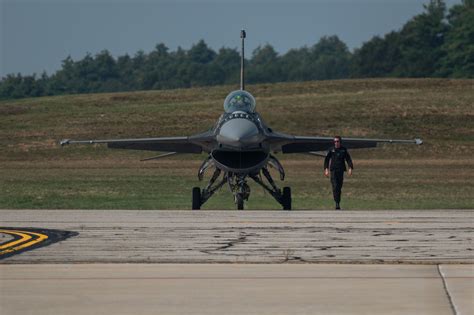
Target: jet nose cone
[238,132]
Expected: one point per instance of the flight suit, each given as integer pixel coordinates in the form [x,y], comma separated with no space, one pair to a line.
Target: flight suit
[335,162]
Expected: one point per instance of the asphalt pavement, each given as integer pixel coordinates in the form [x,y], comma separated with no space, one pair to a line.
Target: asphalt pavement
[235,289]
[126,236]
[236,262]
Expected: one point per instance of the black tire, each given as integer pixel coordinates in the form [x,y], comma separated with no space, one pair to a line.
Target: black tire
[286,198]
[240,203]
[196,198]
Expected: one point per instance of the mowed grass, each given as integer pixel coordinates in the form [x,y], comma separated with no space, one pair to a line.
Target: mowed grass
[37,173]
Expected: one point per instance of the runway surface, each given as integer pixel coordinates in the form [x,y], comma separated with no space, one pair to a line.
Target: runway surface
[108,236]
[235,289]
[236,262]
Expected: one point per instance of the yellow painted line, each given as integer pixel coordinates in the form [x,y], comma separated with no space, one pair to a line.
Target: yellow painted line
[25,240]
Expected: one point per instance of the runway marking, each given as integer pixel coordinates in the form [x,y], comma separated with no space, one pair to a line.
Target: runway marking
[15,241]
[29,238]
[23,242]
[445,286]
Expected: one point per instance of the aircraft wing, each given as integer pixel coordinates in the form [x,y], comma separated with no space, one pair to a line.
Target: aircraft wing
[191,144]
[300,144]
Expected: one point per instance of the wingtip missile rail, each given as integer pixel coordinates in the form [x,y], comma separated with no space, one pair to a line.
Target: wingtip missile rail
[64,142]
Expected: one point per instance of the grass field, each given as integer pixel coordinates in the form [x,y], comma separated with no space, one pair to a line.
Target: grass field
[37,173]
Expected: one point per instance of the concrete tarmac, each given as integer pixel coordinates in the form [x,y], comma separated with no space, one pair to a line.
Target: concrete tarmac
[308,262]
[236,289]
[126,236]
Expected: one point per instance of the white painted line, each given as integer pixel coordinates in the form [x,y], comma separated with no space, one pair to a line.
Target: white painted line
[445,285]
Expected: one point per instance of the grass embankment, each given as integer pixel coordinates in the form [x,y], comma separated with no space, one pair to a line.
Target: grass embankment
[36,173]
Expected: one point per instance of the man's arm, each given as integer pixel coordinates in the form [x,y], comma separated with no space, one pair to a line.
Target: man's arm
[326,163]
[349,162]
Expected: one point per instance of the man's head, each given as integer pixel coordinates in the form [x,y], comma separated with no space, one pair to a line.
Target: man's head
[337,142]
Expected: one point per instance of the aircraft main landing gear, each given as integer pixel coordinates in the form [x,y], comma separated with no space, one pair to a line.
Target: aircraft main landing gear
[286,198]
[239,187]
[283,198]
[196,198]
[200,197]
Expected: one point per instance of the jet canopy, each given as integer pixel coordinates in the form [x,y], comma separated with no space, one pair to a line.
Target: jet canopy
[239,101]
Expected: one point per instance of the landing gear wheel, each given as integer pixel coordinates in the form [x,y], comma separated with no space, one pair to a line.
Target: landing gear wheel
[240,202]
[286,200]
[196,198]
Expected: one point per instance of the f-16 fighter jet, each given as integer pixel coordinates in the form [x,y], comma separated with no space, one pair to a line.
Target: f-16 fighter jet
[239,147]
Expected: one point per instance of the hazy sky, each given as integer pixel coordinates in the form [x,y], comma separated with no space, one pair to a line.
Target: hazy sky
[37,35]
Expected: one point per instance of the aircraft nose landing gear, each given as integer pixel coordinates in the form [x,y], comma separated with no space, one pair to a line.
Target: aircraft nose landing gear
[241,190]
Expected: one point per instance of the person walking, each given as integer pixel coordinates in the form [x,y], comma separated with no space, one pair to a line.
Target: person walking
[335,163]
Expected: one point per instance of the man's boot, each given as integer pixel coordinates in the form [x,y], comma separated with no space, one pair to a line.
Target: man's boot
[338,207]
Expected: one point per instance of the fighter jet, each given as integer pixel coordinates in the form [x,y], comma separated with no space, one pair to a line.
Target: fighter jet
[240,147]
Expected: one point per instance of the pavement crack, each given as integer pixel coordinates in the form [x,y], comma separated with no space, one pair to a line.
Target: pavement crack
[294,258]
[331,247]
[288,255]
[230,243]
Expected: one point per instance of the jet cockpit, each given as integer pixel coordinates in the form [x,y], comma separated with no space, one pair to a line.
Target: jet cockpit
[239,100]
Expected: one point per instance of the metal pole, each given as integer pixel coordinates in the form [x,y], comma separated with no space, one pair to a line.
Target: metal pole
[242,62]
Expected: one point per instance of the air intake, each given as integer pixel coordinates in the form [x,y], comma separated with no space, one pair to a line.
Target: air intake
[240,161]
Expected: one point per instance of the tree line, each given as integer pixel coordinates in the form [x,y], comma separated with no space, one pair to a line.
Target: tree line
[436,43]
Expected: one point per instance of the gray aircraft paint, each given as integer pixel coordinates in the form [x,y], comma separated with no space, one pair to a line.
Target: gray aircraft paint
[239,147]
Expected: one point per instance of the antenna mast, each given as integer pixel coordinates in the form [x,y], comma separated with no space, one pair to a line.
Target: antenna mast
[242,61]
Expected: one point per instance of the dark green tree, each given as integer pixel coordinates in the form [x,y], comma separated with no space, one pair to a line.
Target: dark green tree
[264,65]
[126,73]
[10,87]
[200,70]
[228,61]
[377,58]
[458,48]
[155,73]
[421,40]
[295,65]
[330,59]
[105,66]
[201,53]
[85,76]
[430,44]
